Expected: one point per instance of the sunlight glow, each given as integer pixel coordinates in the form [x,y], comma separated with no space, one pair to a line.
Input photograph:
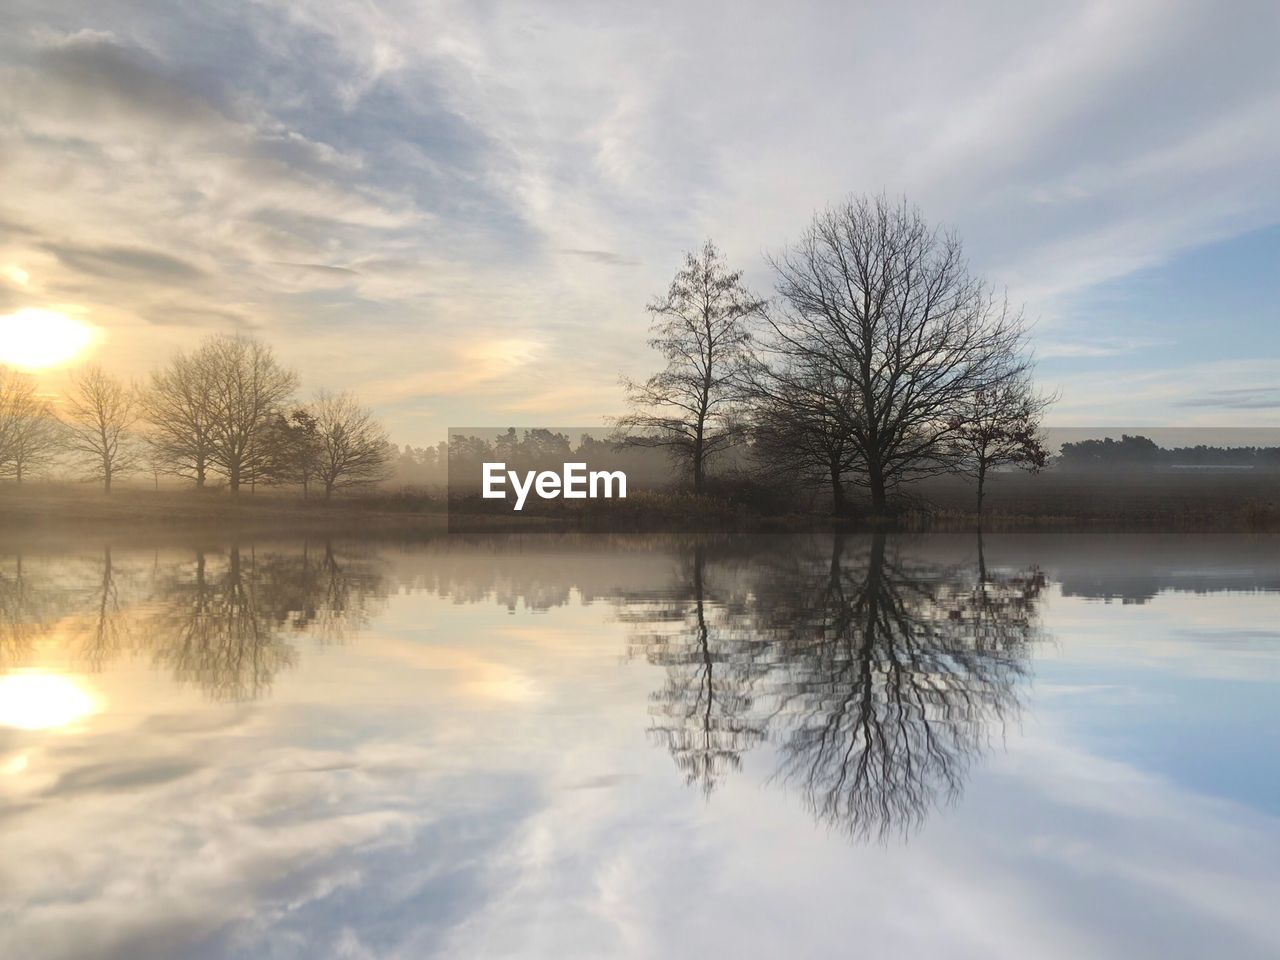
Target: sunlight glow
[15,273]
[34,338]
[42,701]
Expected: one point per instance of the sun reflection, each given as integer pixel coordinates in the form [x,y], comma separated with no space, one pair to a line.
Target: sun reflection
[34,338]
[31,700]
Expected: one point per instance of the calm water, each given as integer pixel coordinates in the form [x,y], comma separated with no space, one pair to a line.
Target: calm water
[649,747]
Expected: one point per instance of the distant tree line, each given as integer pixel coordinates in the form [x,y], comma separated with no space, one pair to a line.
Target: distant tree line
[226,410]
[542,449]
[880,360]
[1143,452]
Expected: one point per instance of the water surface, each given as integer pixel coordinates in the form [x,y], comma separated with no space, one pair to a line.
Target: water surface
[640,747]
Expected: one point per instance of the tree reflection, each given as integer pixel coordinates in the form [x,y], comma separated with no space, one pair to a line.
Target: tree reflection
[878,677]
[214,630]
[704,714]
[223,620]
[226,623]
[24,612]
[107,630]
[894,679]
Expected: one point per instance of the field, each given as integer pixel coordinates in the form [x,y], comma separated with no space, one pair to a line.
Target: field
[1181,500]
[71,507]
[1187,501]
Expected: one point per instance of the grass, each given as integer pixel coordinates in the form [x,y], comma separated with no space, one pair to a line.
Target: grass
[68,506]
[1134,500]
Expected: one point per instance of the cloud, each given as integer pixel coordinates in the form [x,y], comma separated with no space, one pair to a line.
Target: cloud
[102,78]
[118,776]
[322,268]
[185,315]
[607,257]
[1091,348]
[1130,395]
[1238,398]
[126,263]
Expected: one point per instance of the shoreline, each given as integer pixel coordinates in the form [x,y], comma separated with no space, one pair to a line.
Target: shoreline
[57,508]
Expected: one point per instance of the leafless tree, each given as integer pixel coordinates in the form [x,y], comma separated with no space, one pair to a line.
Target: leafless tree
[883,308]
[701,329]
[156,462]
[1001,427]
[293,449]
[29,436]
[180,406]
[798,431]
[100,411]
[248,387]
[353,447]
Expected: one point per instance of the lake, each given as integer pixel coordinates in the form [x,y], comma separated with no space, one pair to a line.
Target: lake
[648,746]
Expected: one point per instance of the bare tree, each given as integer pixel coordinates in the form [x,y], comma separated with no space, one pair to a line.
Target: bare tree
[293,445]
[180,406]
[156,462]
[1001,427]
[353,449]
[306,448]
[701,329]
[883,308]
[248,388]
[28,429]
[798,431]
[100,412]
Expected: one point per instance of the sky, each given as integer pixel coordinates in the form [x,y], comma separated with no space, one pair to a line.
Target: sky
[460,210]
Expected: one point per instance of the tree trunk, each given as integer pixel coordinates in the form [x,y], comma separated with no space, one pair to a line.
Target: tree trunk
[697,461]
[982,479]
[837,492]
[875,570]
[328,490]
[106,480]
[879,500]
[18,472]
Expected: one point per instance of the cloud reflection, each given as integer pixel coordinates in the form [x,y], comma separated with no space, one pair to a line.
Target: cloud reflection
[387,802]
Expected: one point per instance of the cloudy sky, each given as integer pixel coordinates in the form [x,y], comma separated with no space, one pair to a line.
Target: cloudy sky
[459,210]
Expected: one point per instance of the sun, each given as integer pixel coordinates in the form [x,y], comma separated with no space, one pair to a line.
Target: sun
[32,700]
[34,339]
